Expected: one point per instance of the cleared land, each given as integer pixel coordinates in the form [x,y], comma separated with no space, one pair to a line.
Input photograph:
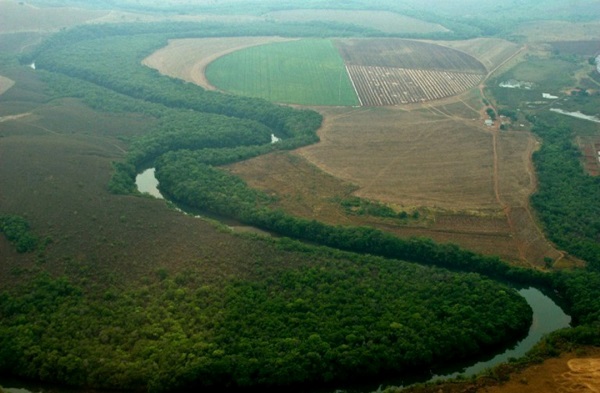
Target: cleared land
[590,146]
[385,21]
[543,31]
[400,53]
[5,84]
[569,373]
[392,72]
[383,72]
[188,58]
[394,86]
[470,183]
[306,72]
[20,17]
[491,52]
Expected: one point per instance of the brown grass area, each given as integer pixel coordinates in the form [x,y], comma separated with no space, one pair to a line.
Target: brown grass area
[388,22]
[408,157]
[399,53]
[570,373]
[543,31]
[491,52]
[55,164]
[470,182]
[188,58]
[473,181]
[590,147]
[19,16]
[577,372]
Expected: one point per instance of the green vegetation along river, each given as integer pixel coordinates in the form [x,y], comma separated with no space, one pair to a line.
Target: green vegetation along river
[547,317]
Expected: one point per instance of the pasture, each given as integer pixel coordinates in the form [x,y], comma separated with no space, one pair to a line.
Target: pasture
[306,72]
[384,21]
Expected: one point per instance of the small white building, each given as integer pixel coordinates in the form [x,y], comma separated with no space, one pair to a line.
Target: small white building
[489,122]
[598,63]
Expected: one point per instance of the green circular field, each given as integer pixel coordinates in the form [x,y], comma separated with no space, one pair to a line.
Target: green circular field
[305,72]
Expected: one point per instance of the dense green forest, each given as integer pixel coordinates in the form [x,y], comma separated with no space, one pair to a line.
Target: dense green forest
[567,199]
[337,315]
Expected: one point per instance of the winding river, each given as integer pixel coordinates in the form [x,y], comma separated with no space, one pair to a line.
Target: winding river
[547,317]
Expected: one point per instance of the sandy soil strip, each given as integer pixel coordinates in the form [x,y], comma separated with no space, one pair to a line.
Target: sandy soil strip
[188,58]
[14,117]
[5,84]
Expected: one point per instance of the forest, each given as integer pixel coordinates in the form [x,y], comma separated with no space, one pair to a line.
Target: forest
[334,315]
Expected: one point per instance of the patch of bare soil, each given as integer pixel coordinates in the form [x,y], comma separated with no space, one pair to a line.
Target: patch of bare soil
[567,374]
[5,84]
[188,58]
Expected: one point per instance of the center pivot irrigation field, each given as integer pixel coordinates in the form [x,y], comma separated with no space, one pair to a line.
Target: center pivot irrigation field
[379,71]
[307,72]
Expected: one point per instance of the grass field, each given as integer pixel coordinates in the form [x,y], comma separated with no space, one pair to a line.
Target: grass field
[187,58]
[387,22]
[308,72]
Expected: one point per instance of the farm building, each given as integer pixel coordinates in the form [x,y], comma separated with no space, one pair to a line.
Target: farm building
[489,122]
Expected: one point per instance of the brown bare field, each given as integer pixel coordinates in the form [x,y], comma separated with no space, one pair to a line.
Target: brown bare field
[572,372]
[394,86]
[187,58]
[399,53]
[491,52]
[470,182]
[19,16]
[385,21]
[569,373]
[544,31]
[590,147]
[413,157]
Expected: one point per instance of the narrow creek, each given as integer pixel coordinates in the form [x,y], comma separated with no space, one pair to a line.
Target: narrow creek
[547,317]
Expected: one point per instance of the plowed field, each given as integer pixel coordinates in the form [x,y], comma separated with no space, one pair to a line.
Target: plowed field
[392,86]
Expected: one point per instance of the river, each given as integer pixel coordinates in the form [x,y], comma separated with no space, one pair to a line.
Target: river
[547,317]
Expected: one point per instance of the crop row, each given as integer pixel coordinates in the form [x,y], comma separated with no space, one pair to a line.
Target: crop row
[378,86]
